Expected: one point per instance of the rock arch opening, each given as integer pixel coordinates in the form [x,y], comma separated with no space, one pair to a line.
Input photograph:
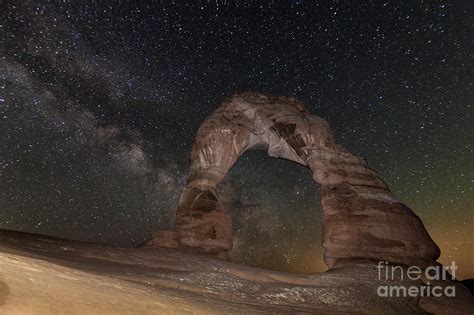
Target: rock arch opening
[362,219]
[270,202]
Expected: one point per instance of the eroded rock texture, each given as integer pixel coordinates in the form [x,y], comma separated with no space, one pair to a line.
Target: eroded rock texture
[362,219]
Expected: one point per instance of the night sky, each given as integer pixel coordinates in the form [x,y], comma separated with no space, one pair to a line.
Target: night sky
[100,102]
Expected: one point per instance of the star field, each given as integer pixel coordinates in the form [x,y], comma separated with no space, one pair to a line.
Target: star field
[100,102]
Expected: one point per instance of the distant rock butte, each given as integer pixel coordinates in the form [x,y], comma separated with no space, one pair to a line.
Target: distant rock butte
[362,219]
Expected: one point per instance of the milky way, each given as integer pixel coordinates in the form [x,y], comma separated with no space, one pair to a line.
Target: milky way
[99,104]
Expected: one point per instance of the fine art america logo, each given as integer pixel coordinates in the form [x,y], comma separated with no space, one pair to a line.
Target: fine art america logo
[415,273]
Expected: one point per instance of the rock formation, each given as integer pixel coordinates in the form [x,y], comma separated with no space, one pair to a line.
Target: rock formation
[173,272]
[362,219]
[45,275]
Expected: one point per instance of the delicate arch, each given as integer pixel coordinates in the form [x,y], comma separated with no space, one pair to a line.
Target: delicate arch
[362,219]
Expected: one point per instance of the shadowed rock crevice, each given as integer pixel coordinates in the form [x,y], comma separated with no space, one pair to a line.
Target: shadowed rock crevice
[362,219]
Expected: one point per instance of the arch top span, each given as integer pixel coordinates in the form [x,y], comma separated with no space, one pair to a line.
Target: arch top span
[362,219]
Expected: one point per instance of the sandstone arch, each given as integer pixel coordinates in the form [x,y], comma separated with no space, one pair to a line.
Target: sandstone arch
[362,219]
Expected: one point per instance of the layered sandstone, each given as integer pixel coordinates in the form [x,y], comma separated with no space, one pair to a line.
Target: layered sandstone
[362,219]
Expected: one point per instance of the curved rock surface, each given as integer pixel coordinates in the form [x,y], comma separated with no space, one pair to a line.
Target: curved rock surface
[362,219]
[45,275]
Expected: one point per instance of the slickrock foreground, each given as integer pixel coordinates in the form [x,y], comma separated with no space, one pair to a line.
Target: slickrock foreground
[45,275]
[362,219]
